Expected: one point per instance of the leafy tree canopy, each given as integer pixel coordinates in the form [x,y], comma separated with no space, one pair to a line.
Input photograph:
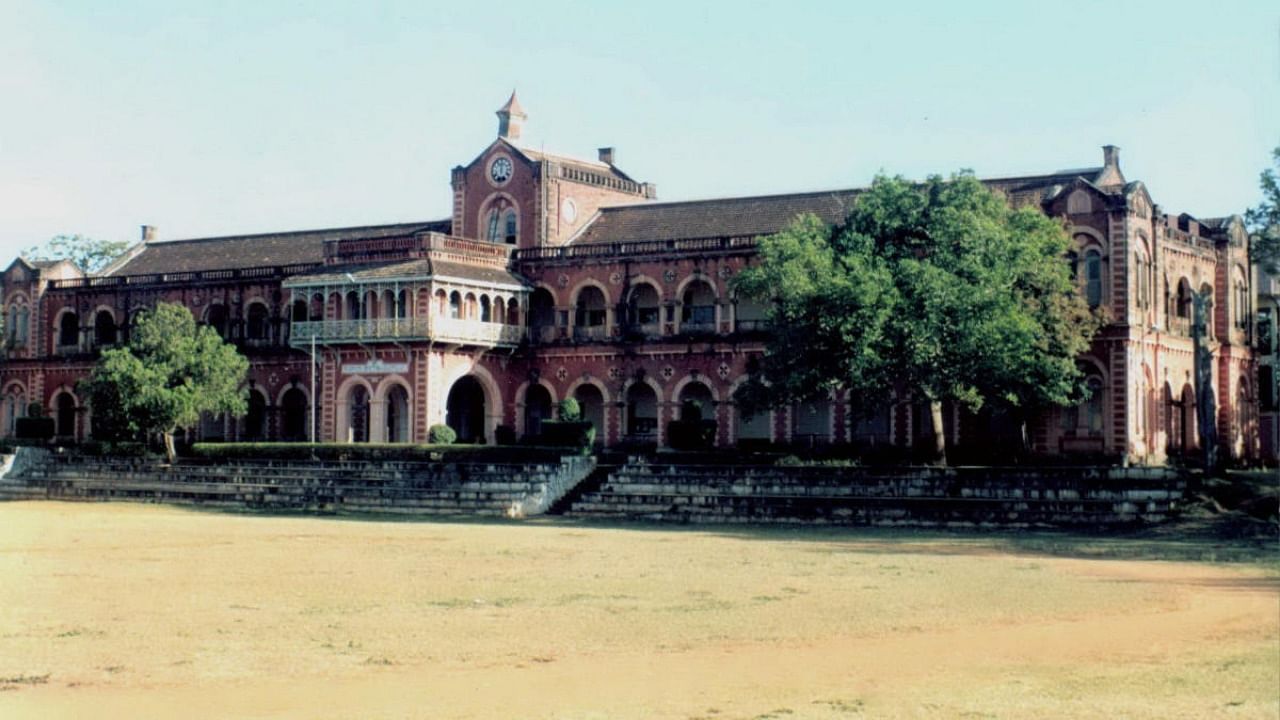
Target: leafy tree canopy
[88,254]
[1264,220]
[171,372]
[940,289]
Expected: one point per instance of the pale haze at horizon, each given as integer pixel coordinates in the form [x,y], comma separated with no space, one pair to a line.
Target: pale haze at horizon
[233,118]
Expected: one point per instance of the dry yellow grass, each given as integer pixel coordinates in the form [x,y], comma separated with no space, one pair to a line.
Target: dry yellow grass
[143,611]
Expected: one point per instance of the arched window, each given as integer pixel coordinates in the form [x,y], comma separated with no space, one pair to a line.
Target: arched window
[589,316]
[1210,322]
[402,304]
[542,316]
[492,235]
[509,227]
[256,325]
[698,307]
[354,309]
[69,330]
[216,318]
[1093,278]
[104,328]
[298,311]
[486,310]
[643,305]
[455,304]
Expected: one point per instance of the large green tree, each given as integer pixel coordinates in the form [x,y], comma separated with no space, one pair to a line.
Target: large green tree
[1264,220]
[938,289]
[88,254]
[171,371]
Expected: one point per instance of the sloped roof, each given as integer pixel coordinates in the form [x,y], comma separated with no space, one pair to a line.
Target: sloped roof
[726,217]
[262,250]
[418,269]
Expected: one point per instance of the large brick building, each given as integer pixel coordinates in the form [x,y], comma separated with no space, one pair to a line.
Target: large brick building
[558,277]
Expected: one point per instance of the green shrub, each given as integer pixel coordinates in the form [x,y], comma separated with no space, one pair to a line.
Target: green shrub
[33,428]
[504,435]
[95,448]
[569,410]
[691,434]
[441,434]
[580,435]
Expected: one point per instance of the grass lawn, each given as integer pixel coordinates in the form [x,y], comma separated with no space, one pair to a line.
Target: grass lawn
[123,610]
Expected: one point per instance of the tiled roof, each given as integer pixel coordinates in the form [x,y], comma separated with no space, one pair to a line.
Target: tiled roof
[762,215]
[419,269]
[728,217]
[264,250]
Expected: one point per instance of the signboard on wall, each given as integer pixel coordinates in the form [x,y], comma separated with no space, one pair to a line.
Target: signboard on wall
[375,367]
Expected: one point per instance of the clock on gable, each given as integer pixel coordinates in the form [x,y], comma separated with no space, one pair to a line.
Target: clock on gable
[500,169]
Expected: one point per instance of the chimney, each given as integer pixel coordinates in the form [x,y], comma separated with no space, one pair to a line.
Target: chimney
[1111,156]
[606,155]
[148,233]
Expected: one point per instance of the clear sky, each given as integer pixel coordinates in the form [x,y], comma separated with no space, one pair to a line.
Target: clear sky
[211,118]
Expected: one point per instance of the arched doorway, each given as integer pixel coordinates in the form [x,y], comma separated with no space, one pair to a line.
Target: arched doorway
[293,408]
[696,402]
[104,328]
[542,316]
[397,414]
[65,415]
[642,412]
[358,414]
[255,419]
[590,314]
[465,410]
[591,402]
[698,308]
[537,407]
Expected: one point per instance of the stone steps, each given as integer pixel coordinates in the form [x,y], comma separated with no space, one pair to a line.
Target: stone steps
[900,496]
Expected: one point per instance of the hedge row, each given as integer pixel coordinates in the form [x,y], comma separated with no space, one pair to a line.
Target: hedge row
[374,451]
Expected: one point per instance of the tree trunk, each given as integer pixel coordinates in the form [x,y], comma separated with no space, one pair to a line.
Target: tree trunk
[939,432]
[169,450]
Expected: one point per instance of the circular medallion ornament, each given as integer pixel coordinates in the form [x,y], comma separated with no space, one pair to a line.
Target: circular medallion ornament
[615,373]
[562,373]
[723,371]
[569,211]
[724,272]
[500,169]
[615,278]
[669,276]
[668,372]
[563,281]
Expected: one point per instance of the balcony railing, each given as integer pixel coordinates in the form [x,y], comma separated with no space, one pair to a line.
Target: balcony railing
[474,332]
[638,247]
[250,273]
[383,329]
[467,332]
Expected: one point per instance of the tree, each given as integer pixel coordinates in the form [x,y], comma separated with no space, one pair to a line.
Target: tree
[939,289]
[88,254]
[1264,220]
[171,372]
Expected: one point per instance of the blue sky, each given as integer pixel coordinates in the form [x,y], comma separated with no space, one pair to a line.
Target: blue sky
[235,117]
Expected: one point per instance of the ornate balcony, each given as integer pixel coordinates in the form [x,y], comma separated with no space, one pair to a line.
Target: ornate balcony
[474,332]
[447,330]
[373,330]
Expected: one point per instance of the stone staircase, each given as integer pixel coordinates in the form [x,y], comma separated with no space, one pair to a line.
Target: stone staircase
[415,488]
[901,496]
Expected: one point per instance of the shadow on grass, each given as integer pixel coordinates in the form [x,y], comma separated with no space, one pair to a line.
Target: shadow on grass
[1197,540]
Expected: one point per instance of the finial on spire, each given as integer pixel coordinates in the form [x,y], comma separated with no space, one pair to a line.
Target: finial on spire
[511,118]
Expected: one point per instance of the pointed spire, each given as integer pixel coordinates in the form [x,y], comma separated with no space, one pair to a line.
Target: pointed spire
[511,118]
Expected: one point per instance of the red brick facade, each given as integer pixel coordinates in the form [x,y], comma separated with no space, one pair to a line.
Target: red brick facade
[556,277]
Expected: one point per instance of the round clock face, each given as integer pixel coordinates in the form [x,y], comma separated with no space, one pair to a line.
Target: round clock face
[569,210]
[500,170]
